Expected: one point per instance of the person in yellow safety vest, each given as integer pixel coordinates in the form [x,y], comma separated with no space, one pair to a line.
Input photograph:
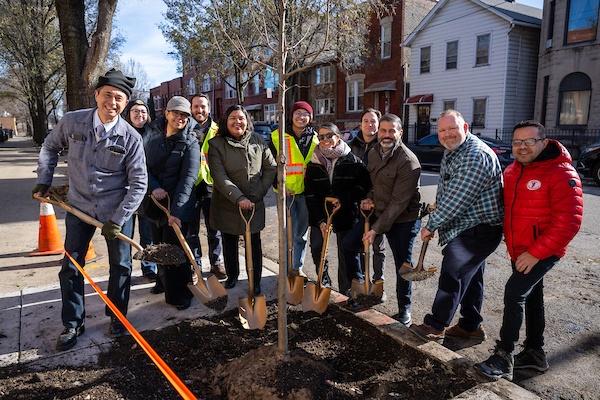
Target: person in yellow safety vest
[205,129]
[301,140]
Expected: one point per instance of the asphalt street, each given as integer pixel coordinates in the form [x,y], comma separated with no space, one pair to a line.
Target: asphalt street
[572,288]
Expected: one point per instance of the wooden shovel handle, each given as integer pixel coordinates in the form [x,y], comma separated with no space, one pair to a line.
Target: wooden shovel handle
[247,240]
[84,217]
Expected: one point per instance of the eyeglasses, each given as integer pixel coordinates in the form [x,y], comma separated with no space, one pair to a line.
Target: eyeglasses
[179,114]
[327,135]
[138,112]
[529,142]
[299,114]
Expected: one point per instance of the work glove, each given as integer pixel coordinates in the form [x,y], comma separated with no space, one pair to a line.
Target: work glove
[40,187]
[111,230]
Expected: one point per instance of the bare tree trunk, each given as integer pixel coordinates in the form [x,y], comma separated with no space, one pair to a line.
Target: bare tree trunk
[282,334]
[83,61]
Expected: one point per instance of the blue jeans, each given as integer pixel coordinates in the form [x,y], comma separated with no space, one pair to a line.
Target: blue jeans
[461,277]
[316,247]
[202,206]
[525,290]
[401,237]
[378,251]
[299,213]
[79,234]
[145,240]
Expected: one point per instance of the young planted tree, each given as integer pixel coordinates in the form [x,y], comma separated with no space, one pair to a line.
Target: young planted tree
[31,59]
[296,33]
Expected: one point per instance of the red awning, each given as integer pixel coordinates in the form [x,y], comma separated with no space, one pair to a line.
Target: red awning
[381,86]
[420,99]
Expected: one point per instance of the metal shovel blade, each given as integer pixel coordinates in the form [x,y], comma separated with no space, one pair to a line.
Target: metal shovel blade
[213,295]
[253,312]
[376,288]
[315,299]
[358,288]
[419,275]
[295,289]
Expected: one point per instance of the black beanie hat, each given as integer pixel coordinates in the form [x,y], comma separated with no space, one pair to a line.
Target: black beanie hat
[116,79]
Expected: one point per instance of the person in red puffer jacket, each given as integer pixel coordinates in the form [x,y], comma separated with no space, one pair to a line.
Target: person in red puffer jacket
[543,211]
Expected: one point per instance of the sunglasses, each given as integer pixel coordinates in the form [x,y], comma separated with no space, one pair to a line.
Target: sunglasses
[328,135]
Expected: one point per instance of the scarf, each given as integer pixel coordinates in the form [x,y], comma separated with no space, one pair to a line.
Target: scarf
[330,155]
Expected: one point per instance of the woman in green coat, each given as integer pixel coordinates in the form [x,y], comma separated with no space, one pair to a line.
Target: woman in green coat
[242,168]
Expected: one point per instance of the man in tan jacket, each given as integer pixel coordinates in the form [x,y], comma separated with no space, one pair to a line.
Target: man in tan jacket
[395,173]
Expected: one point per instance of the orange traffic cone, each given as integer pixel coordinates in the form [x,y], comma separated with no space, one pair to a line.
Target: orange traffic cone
[91,254]
[49,241]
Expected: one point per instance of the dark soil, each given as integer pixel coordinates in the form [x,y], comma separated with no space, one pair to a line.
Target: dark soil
[332,356]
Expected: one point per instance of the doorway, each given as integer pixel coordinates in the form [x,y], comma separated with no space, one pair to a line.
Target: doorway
[423,111]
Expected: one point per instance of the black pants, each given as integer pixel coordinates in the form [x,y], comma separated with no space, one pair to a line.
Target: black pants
[172,278]
[231,255]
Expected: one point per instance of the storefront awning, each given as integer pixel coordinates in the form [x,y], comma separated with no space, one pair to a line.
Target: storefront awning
[253,107]
[420,99]
[381,86]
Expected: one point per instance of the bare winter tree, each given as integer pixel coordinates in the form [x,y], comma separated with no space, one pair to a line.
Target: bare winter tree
[133,68]
[84,53]
[196,34]
[31,62]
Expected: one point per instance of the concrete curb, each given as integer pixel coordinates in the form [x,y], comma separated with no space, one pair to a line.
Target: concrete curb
[486,390]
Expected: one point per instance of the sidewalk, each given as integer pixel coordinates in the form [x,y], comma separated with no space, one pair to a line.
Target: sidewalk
[30,295]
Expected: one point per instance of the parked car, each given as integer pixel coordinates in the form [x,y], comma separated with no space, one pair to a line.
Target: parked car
[264,129]
[589,162]
[429,150]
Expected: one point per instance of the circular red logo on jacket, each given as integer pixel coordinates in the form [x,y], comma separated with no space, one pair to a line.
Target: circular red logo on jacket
[534,184]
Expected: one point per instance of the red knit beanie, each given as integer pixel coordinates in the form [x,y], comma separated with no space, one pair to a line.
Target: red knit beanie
[304,105]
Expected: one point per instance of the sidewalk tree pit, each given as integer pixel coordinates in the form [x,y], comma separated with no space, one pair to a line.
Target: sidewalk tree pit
[332,356]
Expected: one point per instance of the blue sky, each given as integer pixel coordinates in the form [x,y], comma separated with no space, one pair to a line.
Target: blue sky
[138,22]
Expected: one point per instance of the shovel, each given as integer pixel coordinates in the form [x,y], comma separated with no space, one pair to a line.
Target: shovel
[418,273]
[160,253]
[316,297]
[295,284]
[209,292]
[252,310]
[367,288]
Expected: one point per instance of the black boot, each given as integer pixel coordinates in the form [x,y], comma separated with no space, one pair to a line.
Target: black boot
[499,365]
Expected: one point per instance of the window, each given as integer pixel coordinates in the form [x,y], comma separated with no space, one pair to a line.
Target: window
[582,21]
[271,79]
[482,50]
[386,38]
[192,86]
[551,24]
[355,94]
[325,106]
[206,83]
[452,55]
[256,82]
[230,92]
[449,105]
[575,93]
[325,74]
[425,58]
[271,113]
[479,106]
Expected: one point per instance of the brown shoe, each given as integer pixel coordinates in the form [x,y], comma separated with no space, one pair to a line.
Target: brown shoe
[219,271]
[428,333]
[458,332]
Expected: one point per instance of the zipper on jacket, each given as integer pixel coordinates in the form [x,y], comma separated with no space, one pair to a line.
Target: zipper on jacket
[512,209]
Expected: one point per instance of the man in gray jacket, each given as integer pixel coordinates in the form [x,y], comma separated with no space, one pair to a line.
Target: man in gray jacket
[395,173]
[107,180]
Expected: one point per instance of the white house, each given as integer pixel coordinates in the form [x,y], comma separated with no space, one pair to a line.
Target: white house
[479,57]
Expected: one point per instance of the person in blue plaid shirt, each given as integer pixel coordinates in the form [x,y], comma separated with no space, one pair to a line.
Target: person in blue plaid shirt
[468,217]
